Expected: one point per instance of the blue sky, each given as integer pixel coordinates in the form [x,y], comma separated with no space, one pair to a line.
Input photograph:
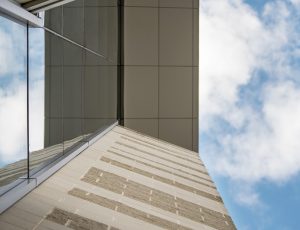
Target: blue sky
[250,108]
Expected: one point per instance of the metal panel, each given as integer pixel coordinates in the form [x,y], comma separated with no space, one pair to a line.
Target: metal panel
[41,5]
[16,11]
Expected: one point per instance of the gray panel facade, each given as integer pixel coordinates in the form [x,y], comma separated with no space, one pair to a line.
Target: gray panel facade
[160,62]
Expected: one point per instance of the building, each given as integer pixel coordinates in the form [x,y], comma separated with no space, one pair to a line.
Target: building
[82,67]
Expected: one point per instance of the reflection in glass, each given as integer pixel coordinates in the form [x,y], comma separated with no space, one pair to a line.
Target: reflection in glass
[73,21]
[36,88]
[53,19]
[100,95]
[72,94]
[45,105]
[101,31]
[42,145]
[13,146]
[72,84]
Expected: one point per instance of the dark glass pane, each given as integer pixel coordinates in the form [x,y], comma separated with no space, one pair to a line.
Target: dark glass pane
[53,19]
[73,21]
[100,96]
[101,32]
[73,81]
[100,79]
[72,94]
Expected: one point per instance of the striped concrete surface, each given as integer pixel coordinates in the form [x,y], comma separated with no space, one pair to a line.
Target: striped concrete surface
[126,180]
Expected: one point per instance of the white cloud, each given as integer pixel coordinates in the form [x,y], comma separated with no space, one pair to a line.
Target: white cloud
[5,56]
[13,115]
[232,42]
[37,88]
[247,197]
[37,116]
[235,44]
[13,122]
[295,2]
[268,146]
[12,48]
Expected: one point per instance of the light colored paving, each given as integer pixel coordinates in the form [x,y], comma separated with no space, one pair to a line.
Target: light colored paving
[145,183]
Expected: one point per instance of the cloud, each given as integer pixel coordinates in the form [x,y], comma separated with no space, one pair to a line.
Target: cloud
[5,55]
[247,196]
[295,2]
[37,88]
[250,91]
[37,116]
[13,121]
[12,48]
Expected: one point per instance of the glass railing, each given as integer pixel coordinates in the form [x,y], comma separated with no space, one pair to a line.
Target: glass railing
[13,113]
[72,85]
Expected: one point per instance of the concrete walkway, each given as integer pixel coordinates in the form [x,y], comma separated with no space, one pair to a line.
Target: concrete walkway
[125,180]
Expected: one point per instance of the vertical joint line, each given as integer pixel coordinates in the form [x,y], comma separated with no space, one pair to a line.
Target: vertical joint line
[193,93]
[158,67]
[120,83]
[83,71]
[62,82]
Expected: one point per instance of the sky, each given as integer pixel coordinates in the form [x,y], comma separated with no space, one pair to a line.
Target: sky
[249,95]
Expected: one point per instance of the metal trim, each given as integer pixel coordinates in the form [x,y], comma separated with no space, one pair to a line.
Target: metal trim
[16,11]
[120,104]
[27,100]
[42,5]
[75,43]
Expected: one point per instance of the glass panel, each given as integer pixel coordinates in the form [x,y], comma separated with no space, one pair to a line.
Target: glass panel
[101,32]
[36,95]
[72,94]
[100,95]
[101,70]
[45,104]
[13,102]
[73,21]
[72,88]
[53,19]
